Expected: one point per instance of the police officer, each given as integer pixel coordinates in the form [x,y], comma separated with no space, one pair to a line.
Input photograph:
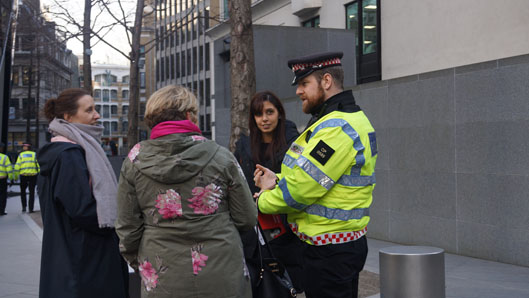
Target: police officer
[28,168]
[326,180]
[6,171]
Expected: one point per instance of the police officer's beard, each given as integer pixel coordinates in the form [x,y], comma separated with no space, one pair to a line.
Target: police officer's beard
[319,102]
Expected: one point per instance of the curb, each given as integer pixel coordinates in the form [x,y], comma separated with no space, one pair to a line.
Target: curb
[32,226]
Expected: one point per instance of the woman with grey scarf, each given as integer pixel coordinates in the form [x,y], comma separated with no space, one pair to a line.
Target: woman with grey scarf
[77,192]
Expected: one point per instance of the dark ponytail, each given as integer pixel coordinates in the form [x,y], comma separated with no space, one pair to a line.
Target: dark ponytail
[65,103]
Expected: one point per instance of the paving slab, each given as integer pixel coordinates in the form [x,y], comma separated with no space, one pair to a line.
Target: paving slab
[20,250]
[20,246]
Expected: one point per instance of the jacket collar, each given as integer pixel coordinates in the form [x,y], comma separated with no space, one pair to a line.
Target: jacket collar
[343,102]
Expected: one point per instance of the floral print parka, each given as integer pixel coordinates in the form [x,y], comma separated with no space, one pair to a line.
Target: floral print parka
[181,201]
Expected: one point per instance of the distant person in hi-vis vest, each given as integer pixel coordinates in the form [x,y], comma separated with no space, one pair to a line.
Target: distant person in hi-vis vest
[6,172]
[27,168]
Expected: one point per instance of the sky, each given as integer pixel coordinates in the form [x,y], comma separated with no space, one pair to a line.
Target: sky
[101,53]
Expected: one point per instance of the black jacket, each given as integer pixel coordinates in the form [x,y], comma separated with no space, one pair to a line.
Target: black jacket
[343,102]
[79,259]
[243,153]
[286,248]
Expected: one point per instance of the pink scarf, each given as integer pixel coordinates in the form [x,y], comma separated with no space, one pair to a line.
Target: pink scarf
[171,127]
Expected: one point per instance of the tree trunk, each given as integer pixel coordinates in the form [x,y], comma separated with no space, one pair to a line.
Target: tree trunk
[37,97]
[242,66]
[28,107]
[134,87]
[87,64]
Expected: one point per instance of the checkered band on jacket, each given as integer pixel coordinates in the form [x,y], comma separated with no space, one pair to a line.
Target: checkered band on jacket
[329,238]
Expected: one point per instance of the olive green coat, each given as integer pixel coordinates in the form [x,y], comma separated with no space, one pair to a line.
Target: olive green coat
[181,201]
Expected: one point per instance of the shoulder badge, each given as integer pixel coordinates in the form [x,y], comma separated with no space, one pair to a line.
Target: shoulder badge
[322,152]
[373,143]
[307,136]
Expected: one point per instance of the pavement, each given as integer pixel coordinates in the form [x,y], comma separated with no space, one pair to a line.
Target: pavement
[20,246]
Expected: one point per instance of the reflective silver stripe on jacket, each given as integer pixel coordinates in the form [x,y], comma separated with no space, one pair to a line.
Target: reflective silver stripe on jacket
[319,210]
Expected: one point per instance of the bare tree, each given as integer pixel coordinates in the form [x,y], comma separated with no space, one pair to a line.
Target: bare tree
[134,100]
[122,19]
[87,51]
[242,66]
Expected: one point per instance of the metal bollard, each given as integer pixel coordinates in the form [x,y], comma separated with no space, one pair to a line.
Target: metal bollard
[412,272]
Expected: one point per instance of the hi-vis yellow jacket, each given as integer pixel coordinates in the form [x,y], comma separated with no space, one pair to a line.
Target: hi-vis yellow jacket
[327,179]
[6,169]
[27,164]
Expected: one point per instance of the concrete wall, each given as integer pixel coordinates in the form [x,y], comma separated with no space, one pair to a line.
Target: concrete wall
[420,36]
[274,46]
[453,159]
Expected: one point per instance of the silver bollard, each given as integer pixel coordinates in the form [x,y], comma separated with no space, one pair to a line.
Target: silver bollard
[412,272]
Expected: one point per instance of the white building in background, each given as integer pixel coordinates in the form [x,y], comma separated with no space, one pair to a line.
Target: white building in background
[444,83]
[111,96]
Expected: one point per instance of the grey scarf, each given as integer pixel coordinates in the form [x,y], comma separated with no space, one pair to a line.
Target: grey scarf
[104,182]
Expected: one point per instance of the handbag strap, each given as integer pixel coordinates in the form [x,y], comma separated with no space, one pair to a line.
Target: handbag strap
[261,233]
[285,279]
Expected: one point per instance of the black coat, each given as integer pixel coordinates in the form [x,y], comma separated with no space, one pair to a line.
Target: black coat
[79,259]
[287,248]
[243,153]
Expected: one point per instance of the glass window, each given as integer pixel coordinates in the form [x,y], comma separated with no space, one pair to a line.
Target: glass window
[194,53]
[125,79]
[314,23]
[201,58]
[369,29]
[15,76]
[125,110]
[189,61]
[114,126]
[113,94]
[125,94]
[167,71]
[157,70]
[207,56]
[162,68]
[106,112]
[363,17]
[172,66]
[106,128]
[98,109]
[208,91]
[142,80]
[352,20]
[97,93]
[183,64]
[25,76]
[177,65]
[125,126]
[106,95]
[114,110]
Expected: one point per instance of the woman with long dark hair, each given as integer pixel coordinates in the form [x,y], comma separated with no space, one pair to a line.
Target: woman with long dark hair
[77,192]
[271,134]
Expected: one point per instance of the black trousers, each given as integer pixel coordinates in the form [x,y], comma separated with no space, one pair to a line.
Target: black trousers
[332,271]
[25,182]
[3,195]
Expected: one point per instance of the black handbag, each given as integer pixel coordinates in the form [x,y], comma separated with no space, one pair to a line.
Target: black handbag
[272,279]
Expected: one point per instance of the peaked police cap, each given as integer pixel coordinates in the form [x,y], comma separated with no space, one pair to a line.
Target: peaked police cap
[304,66]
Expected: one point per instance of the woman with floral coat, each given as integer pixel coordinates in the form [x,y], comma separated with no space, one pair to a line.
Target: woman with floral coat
[181,201]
